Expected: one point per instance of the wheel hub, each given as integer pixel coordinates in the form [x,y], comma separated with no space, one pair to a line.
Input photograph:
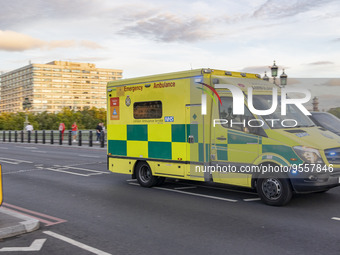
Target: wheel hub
[271,188]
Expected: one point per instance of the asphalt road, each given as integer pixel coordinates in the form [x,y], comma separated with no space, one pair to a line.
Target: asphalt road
[84,209]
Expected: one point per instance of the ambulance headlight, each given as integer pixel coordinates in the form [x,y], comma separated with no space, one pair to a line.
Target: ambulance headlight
[309,155]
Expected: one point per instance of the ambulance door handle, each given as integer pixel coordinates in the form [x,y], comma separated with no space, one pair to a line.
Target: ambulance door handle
[221,138]
[191,139]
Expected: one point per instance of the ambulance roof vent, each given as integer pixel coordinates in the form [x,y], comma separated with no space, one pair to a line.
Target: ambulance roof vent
[243,74]
[228,73]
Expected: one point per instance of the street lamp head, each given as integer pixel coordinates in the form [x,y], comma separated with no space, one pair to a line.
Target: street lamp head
[265,77]
[274,69]
[283,78]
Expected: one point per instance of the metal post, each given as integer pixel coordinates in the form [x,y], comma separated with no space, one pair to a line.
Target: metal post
[60,138]
[22,136]
[70,137]
[90,138]
[79,137]
[36,136]
[15,136]
[44,137]
[102,138]
[52,138]
[4,136]
[9,136]
[29,136]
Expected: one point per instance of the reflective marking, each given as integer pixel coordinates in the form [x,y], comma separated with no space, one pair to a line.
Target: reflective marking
[198,195]
[76,243]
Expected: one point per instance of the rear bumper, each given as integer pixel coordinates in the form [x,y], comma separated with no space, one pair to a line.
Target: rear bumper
[314,182]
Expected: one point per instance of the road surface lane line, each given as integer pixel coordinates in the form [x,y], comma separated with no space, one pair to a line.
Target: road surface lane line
[18,160]
[35,246]
[76,243]
[131,180]
[188,187]
[34,212]
[88,156]
[82,169]
[336,218]
[13,163]
[67,172]
[251,199]
[198,195]
[133,183]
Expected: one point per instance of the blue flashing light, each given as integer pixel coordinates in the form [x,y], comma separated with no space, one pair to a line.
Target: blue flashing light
[333,153]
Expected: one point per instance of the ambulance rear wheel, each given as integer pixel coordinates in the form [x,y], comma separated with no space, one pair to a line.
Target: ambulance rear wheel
[144,175]
[274,189]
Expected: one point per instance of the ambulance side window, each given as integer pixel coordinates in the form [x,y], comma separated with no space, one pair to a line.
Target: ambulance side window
[237,122]
[147,110]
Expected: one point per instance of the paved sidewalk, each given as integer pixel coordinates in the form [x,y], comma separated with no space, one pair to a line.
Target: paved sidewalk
[13,223]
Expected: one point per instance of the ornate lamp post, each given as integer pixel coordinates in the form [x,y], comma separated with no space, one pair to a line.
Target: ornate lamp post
[274,72]
[26,105]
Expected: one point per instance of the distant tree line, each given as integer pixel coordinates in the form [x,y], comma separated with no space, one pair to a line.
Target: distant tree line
[85,119]
[335,111]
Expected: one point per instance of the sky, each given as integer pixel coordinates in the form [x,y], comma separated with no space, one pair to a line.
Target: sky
[150,37]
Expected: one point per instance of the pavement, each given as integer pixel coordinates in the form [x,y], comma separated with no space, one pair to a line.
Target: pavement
[13,223]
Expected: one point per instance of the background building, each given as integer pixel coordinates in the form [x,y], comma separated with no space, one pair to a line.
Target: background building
[55,85]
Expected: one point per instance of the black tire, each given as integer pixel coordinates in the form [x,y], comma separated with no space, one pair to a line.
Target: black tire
[274,189]
[144,175]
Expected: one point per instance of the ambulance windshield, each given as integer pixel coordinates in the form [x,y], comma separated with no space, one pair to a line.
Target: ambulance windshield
[293,118]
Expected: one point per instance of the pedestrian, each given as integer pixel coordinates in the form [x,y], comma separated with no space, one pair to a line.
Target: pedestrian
[74,131]
[99,129]
[62,130]
[29,127]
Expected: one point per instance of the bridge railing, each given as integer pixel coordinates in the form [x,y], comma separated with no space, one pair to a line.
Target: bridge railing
[83,138]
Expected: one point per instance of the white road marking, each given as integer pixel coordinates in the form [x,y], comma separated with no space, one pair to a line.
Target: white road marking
[63,169]
[40,151]
[336,218]
[35,246]
[34,148]
[188,187]
[76,243]
[88,156]
[4,148]
[198,195]
[251,199]
[16,160]
[13,163]
[131,180]
[133,183]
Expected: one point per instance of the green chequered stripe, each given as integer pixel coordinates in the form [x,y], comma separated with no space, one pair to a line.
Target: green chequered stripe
[160,150]
[201,152]
[178,133]
[117,147]
[137,132]
[285,151]
[222,154]
[192,129]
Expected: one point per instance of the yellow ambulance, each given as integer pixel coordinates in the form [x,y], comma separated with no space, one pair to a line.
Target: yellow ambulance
[183,125]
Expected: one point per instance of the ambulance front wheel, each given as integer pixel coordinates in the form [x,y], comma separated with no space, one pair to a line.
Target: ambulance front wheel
[144,175]
[274,189]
